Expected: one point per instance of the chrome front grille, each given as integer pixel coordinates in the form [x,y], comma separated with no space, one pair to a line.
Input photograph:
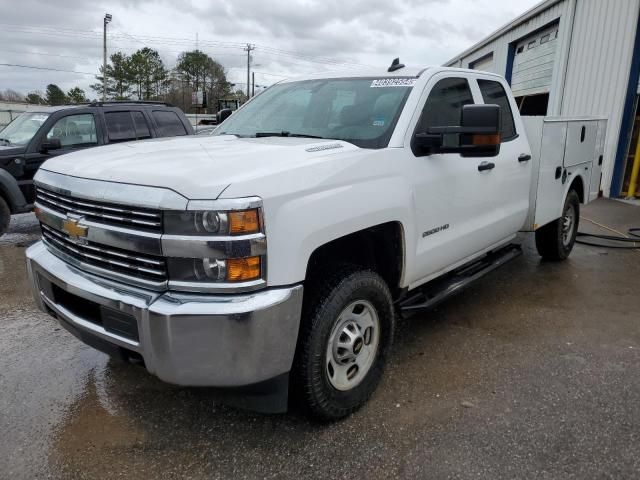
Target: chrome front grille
[106,258]
[105,213]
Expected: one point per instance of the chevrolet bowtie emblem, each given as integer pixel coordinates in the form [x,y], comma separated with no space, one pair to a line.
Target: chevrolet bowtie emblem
[74,229]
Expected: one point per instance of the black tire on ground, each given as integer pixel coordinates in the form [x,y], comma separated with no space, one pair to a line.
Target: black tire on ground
[5,216]
[331,303]
[556,240]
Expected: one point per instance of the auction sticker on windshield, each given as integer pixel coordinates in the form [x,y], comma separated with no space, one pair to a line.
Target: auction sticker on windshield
[393,82]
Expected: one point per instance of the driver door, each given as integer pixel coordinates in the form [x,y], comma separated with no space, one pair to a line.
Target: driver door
[453,197]
[74,131]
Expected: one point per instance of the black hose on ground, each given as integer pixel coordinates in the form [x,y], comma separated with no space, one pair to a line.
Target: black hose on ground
[633,232]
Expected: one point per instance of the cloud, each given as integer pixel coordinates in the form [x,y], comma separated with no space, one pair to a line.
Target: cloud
[292,37]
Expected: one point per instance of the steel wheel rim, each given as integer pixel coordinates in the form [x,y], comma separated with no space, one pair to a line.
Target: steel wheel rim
[568,221]
[353,345]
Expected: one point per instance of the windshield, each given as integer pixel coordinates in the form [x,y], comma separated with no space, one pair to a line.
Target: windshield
[362,111]
[22,129]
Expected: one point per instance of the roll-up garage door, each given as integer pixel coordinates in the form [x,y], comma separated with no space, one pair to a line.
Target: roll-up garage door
[485,63]
[535,56]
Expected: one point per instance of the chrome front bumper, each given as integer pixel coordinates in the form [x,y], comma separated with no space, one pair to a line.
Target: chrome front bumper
[195,339]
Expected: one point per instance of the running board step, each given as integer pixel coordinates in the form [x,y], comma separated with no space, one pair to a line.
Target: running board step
[436,291]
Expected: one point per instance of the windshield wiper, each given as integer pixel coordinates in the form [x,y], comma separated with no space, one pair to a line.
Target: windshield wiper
[285,134]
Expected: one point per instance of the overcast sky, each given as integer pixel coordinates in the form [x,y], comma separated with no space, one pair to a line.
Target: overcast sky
[291,36]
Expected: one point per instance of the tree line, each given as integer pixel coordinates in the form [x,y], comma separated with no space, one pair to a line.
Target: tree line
[53,95]
[144,76]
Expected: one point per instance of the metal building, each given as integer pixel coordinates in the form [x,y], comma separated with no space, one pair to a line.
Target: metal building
[575,58]
[9,111]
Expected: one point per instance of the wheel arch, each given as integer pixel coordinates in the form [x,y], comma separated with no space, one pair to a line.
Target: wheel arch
[381,248]
[578,185]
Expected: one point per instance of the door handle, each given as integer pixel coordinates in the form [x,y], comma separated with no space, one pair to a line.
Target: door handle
[486,166]
[524,158]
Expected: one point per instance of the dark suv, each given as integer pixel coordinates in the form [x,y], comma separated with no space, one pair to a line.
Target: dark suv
[45,132]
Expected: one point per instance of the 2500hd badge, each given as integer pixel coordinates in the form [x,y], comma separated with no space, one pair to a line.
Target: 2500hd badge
[435,230]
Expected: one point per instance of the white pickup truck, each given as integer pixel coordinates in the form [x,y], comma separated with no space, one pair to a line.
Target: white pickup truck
[273,257]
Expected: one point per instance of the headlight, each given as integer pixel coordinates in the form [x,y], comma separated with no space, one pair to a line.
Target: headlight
[210,222]
[218,246]
[208,270]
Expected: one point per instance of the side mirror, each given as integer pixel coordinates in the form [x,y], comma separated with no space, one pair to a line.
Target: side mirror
[50,144]
[224,114]
[477,136]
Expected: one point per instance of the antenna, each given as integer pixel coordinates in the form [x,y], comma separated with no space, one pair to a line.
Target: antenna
[395,65]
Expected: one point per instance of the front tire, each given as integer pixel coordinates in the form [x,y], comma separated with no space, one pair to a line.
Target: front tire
[5,216]
[555,241]
[347,332]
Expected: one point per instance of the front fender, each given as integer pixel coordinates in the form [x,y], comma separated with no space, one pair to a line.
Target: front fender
[302,225]
[326,198]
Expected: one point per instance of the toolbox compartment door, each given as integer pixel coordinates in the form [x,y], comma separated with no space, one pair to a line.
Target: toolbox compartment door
[581,142]
[550,191]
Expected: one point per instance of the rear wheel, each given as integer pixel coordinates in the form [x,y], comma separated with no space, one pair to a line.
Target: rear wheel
[555,241]
[347,331]
[5,216]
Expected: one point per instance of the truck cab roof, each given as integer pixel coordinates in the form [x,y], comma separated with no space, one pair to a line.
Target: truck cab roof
[411,72]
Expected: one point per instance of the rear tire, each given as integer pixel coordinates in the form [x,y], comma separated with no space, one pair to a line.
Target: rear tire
[5,216]
[346,333]
[555,241]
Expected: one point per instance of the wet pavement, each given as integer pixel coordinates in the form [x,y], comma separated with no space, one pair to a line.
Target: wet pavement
[531,373]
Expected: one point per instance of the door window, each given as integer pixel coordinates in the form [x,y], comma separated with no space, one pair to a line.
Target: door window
[74,130]
[142,129]
[493,94]
[120,126]
[443,108]
[169,124]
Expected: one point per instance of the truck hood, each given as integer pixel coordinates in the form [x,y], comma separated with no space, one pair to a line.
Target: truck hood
[196,167]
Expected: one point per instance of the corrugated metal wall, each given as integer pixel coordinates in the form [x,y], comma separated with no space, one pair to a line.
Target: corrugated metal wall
[593,61]
[561,13]
[500,46]
[599,67]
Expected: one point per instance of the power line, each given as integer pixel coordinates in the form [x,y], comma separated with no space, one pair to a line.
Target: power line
[43,30]
[262,73]
[45,54]
[44,68]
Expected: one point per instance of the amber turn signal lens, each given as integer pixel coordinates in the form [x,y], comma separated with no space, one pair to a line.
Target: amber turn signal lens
[486,139]
[243,269]
[243,222]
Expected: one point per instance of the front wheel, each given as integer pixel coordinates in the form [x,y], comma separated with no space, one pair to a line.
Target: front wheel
[347,331]
[555,241]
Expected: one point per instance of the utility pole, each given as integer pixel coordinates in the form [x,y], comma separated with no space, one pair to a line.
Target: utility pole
[253,83]
[248,50]
[107,19]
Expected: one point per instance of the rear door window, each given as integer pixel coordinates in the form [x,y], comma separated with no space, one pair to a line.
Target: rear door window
[142,128]
[493,94]
[169,124]
[120,127]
